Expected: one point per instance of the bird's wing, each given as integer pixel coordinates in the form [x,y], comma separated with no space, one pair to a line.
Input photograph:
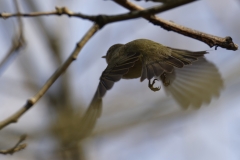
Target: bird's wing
[89,119]
[165,59]
[115,71]
[194,84]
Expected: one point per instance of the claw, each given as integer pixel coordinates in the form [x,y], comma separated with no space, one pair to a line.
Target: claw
[151,85]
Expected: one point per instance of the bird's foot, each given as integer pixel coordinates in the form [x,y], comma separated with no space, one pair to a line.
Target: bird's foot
[164,80]
[150,85]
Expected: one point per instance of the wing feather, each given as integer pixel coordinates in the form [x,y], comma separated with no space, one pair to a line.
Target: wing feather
[157,69]
[164,59]
[150,72]
[195,84]
[144,73]
[114,72]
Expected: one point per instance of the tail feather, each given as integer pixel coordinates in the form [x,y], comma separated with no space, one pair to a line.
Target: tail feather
[187,57]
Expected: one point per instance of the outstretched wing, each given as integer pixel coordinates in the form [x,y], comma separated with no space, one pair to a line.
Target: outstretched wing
[194,84]
[165,59]
[114,72]
[89,119]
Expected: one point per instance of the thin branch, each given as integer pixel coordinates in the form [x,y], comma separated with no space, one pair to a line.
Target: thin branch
[137,11]
[101,19]
[161,1]
[18,146]
[209,39]
[58,12]
[30,102]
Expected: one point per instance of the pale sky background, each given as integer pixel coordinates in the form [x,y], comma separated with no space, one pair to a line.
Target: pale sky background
[136,123]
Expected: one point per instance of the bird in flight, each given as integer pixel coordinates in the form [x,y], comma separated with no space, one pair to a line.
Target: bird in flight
[186,75]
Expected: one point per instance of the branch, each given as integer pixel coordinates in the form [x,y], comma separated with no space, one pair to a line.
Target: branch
[101,19]
[18,146]
[140,13]
[58,12]
[161,1]
[30,102]
[137,11]
[209,39]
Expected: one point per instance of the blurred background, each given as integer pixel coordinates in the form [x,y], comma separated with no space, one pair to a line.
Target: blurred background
[135,122]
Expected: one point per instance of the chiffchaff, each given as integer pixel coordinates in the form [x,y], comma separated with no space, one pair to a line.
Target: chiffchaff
[198,80]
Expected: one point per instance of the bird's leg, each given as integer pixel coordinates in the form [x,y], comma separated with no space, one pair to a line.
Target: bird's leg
[164,79]
[150,85]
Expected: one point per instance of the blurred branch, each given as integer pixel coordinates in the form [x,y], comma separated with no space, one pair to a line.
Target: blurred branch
[17,42]
[18,146]
[30,102]
[60,97]
[19,21]
[209,39]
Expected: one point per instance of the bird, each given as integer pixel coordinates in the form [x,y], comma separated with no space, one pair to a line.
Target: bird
[184,73]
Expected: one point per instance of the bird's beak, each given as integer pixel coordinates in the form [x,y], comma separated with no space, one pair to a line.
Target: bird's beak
[104,56]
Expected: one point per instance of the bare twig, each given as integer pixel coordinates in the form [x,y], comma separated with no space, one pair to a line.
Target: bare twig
[101,19]
[30,102]
[138,11]
[58,12]
[18,146]
[209,39]
[162,1]
[104,19]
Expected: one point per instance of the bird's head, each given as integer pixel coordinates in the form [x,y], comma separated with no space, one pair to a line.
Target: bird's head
[111,52]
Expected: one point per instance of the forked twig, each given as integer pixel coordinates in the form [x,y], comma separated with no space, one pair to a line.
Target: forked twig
[17,147]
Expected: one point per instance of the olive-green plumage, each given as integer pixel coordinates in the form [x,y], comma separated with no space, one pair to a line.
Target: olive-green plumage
[142,58]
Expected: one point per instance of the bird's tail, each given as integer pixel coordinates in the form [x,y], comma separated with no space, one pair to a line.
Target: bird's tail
[187,57]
